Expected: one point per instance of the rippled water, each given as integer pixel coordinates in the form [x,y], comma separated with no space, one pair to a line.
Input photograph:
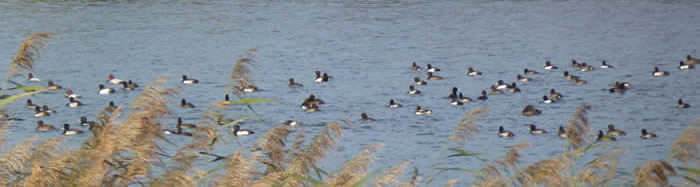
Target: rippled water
[368,47]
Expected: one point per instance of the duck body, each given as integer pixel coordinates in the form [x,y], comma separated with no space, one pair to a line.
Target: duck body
[647,135]
[104,91]
[237,131]
[421,111]
[535,130]
[504,133]
[186,80]
[530,110]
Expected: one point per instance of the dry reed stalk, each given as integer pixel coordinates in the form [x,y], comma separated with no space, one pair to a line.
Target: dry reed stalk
[415,179]
[28,52]
[491,174]
[391,176]
[3,132]
[273,143]
[96,154]
[578,127]
[653,173]
[238,171]
[175,178]
[305,160]
[685,148]
[15,162]
[465,128]
[241,73]
[356,168]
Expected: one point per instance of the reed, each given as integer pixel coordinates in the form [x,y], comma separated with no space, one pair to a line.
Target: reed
[27,55]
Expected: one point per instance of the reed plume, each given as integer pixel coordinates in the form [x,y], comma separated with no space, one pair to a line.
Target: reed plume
[653,173]
[685,147]
[391,176]
[273,143]
[241,72]
[15,162]
[238,171]
[28,52]
[415,179]
[465,128]
[578,127]
[355,169]
[491,173]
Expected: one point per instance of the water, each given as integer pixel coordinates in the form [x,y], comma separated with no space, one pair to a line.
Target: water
[368,47]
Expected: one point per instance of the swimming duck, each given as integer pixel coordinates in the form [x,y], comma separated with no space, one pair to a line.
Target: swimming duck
[646,135]
[185,104]
[514,88]
[659,73]
[31,78]
[495,91]
[30,104]
[554,94]
[567,75]
[186,80]
[483,96]
[523,79]
[39,113]
[433,77]
[132,84]
[110,107]
[578,81]
[46,109]
[530,110]
[320,78]
[604,138]
[293,84]
[430,68]
[463,99]
[562,132]
[682,105]
[70,94]
[417,81]
[125,85]
[309,107]
[547,100]
[575,64]
[73,103]
[529,72]
[392,104]
[412,90]
[365,118]
[53,86]
[453,94]
[237,131]
[415,67]
[685,66]
[548,65]
[168,131]
[67,131]
[504,133]
[250,88]
[41,127]
[535,130]
[690,60]
[619,88]
[111,79]
[226,98]
[624,84]
[615,132]
[586,67]
[85,122]
[605,65]
[185,125]
[471,72]
[421,111]
[104,91]
[311,100]
[291,123]
[502,85]
[456,102]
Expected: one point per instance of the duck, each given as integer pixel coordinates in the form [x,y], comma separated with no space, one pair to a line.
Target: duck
[41,127]
[393,104]
[30,104]
[53,86]
[453,94]
[615,132]
[110,107]
[504,133]
[578,81]
[70,94]
[67,131]
[237,131]
[685,66]
[104,91]
[185,104]
[125,85]
[320,78]
[132,84]
[495,91]
[535,130]
[554,94]
[456,102]
[562,132]
[569,76]
[471,72]
[412,90]
[501,85]
[186,80]
[168,131]
[111,79]
[682,105]
[659,73]
[575,64]
[605,65]
[417,81]
[365,118]
[604,138]
[624,84]
[291,123]
[293,84]
[514,88]
[586,67]
[523,79]
[483,96]
[185,125]
[311,100]
[226,98]
[547,100]
[39,113]
[530,110]
[415,67]
[430,68]
[85,122]
[463,99]
[549,66]
[46,109]
[73,103]
[619,88]
[31,78]
[309,107]
[250,88]
[433,77]
[529,71]
[690,60]
[421,111]
[647,135]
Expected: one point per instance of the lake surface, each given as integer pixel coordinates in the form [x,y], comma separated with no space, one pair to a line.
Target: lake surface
[368,47]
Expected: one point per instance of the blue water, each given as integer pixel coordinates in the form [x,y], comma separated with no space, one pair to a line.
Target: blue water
[368,46]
